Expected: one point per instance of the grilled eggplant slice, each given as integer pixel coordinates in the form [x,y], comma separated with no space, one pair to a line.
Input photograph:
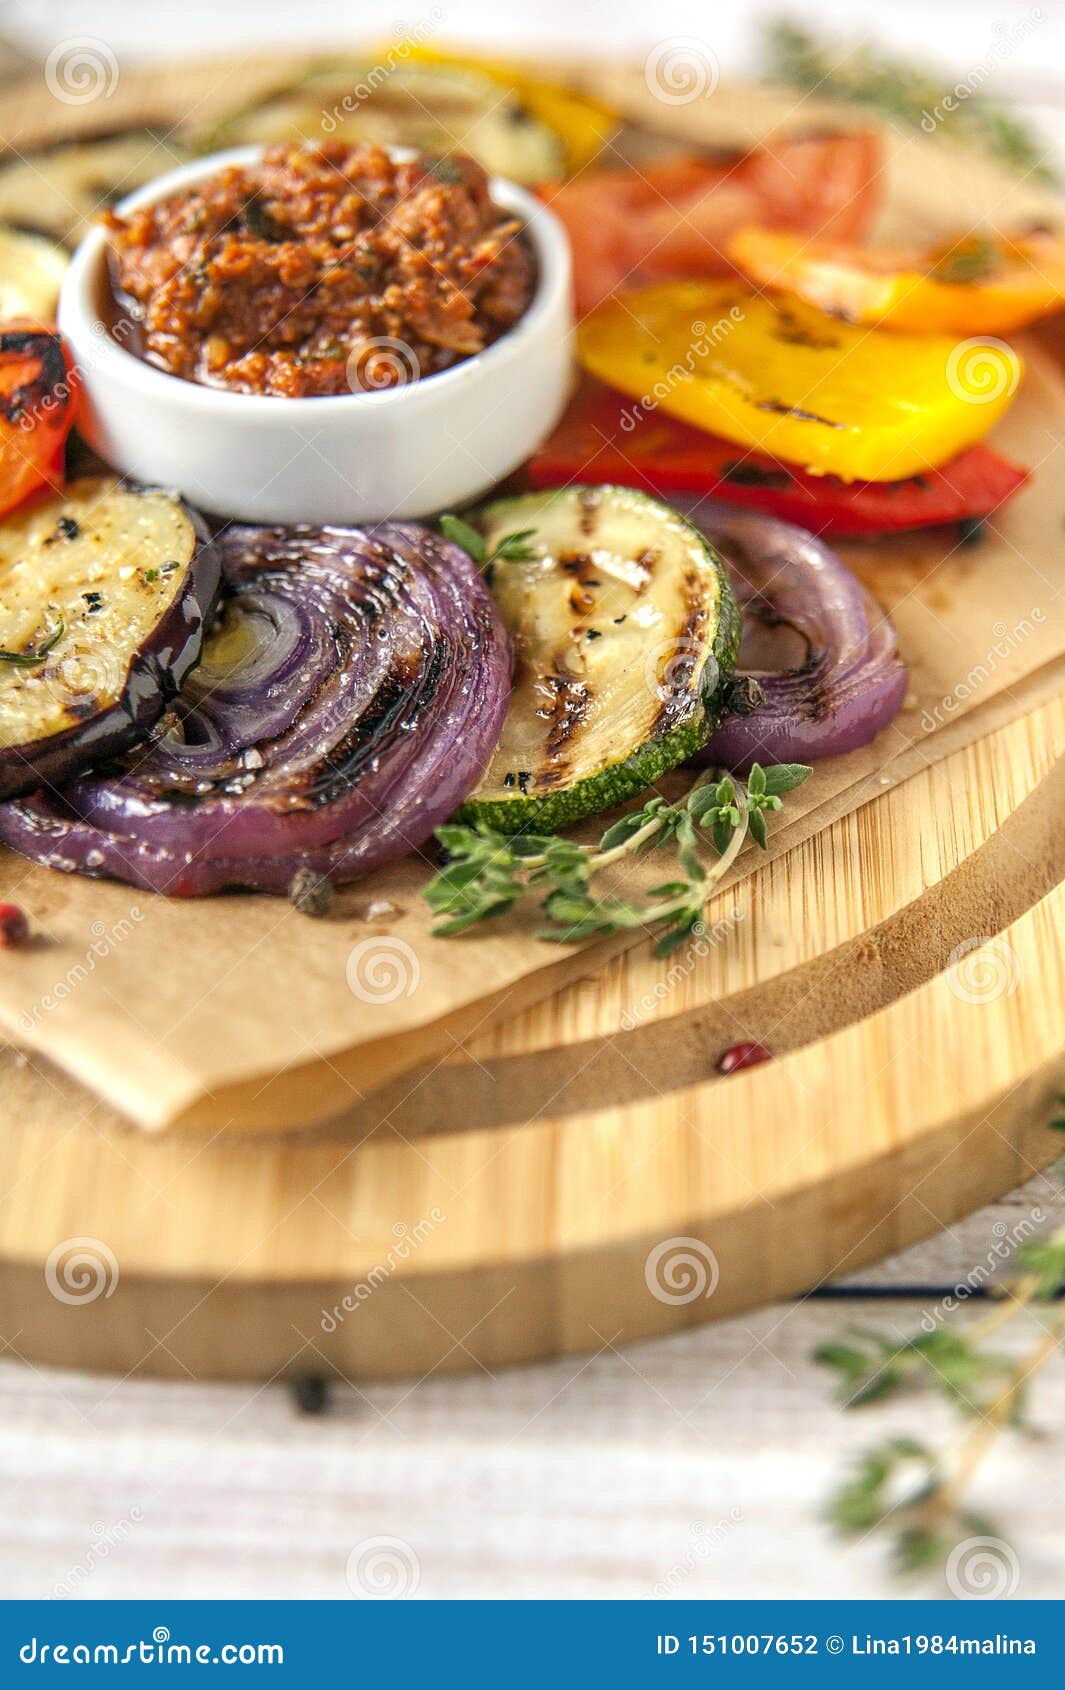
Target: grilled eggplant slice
[625,632]
[57,190]
[436,108]
[105,592]
[32,268]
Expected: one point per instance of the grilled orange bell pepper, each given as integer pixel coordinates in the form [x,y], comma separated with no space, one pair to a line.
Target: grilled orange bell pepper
[979,285]
[787,380]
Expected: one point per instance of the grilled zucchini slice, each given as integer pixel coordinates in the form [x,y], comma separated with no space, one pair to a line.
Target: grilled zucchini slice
[625,633]
[436,108]
[105,592]
[57,190]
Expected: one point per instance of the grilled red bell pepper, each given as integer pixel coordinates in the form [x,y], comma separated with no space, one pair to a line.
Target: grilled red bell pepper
[605,437]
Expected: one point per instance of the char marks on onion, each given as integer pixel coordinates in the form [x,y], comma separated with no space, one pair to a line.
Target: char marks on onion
[849,682]
[349,697]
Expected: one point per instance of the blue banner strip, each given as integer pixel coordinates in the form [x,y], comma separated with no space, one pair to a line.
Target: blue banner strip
[517,1644]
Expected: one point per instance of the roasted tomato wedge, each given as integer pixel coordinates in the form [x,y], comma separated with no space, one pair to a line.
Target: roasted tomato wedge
[982,284]
[675,217]
[603,438]
[37,401]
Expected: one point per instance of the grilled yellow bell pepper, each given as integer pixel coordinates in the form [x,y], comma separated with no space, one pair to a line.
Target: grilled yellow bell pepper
[583,125]
[785,379]
[983,284]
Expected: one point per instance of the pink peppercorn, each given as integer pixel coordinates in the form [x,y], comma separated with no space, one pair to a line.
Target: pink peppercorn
[14,928]
[744,1055]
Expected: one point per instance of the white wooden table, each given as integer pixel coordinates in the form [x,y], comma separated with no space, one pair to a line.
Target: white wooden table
[693,1466]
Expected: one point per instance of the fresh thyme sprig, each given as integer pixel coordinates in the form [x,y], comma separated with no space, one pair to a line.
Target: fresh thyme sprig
[929,1516]
[512,548]
[30,659]
[489,872]
[908,92]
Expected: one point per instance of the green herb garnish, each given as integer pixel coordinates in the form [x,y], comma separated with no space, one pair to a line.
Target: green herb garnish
[975,259]
[445,170]
[258,221]
[29,659]
[901,1485]
[908,92]
[488,872]
[512,548]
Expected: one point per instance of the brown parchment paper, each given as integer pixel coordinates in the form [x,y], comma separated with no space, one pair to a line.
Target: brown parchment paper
[238,1012]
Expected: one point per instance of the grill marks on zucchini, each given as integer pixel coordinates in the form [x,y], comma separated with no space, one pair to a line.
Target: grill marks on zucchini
[625,633]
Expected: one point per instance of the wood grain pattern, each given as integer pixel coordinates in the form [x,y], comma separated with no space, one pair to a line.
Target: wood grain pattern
[696,1468]
[502,1203]
[210,1041]
[487,1244]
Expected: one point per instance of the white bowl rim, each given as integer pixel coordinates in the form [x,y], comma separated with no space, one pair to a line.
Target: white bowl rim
[76,302]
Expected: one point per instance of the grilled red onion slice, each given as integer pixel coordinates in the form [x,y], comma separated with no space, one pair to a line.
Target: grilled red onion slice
[852,680]
[348,699]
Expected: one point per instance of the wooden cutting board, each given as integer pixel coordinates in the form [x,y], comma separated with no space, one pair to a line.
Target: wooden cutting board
[580,1172]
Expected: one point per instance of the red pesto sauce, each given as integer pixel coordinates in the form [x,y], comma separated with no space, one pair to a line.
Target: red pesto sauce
[321,270]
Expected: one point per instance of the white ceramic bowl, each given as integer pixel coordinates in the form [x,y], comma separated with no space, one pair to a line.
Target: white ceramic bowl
[404,451]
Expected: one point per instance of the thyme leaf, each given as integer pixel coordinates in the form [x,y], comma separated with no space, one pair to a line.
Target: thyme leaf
[900,1485]
[974,259]
[511,548]
[908,92]
[489,872]
[30,659]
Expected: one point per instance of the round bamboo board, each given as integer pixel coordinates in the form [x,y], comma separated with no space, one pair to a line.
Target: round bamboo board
[580,1174]
[556,1183]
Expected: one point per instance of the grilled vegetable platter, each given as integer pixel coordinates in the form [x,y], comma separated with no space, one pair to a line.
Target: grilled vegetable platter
[195,706]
